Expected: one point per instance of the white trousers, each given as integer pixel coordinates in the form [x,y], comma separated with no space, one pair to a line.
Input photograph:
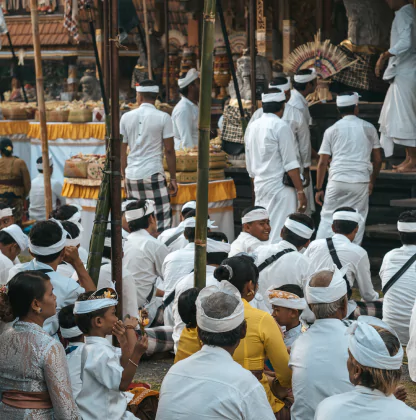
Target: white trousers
[343,194]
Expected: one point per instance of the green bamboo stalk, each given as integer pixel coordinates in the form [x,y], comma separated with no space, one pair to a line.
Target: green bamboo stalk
[204,126]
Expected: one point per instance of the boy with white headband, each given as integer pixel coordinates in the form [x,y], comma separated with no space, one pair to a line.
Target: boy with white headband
[209,384]
[272,164]
[186,112]
[374,365]
[47,244]
[255,231]
[105,375]
[6,216]
[37,209]
[147,132]
[341,250]
[354,148]
[398,280]
[284,263]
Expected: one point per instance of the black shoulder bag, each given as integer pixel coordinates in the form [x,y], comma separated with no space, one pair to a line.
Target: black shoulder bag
[272,259]
[337,262]
[396,277]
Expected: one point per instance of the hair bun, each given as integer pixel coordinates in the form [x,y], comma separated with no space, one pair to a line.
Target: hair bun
[223,272]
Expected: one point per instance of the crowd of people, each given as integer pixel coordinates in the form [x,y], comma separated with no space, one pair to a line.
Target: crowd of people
[288,326]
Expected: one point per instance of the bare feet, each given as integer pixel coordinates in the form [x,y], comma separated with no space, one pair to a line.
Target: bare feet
[407,167]
[405,162]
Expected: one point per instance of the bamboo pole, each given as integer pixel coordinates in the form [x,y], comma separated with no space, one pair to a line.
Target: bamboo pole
[253,14]
[41,103]
[204,125]
[146,31]
[166,5]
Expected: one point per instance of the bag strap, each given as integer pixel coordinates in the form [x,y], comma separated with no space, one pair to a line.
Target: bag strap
[169,299]
[150,295]
[272,259]
[396,277]
[337,262]
[45,270]
[173,238]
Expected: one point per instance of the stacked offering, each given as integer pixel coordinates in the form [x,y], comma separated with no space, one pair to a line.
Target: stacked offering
[85,167]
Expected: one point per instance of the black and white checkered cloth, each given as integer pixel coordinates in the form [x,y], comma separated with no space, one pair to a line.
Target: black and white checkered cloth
[368,308]
[160,340]
[231,128]
[153,188]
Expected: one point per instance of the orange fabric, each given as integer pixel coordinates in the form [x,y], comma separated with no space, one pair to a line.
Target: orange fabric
[69,131]
[27,400]
[7,128]
[140,393]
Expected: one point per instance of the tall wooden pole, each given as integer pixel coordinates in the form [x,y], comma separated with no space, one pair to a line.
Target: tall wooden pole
[41,104]
[204,125]
[252,15]
[146,31]
[115,144]
[167,49]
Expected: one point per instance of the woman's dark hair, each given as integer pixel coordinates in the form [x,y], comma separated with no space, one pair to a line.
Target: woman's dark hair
[64,212]
[66,319]
[243,270]
[302,86]
[6,239]
[344,227]
[189,234]
[292,288]
[23,288]
[291,237]
[45,233]
[72,229]
[187,306]
[143,222]
[408,238]
[345,110]
[83,321]
[5,142]
[148,96]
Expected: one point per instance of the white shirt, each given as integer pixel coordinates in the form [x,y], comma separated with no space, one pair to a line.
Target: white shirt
[186,283]
[298,101]
[178,243]
[289,336]
[245,243]
[348,253]
[411,346]
[209,385]
[364,403]
[144,129]
[399,300]
[143,257]
[5,265]
[291,268]
[37,209]
[318,360]
[270,152]
[402,43]
[185,124]
[350,142]
[100,396]
[74,367]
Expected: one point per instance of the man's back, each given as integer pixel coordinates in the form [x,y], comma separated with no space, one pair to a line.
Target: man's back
[37,197]
[210,385]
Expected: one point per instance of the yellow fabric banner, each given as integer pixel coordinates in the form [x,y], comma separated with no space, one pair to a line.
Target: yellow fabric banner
[70,131]
[8,128]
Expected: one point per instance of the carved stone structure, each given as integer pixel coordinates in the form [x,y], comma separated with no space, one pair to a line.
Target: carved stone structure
[90,87]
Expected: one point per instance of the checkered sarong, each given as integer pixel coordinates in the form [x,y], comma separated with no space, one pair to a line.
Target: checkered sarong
[368,308]
[153,188]
[160,340]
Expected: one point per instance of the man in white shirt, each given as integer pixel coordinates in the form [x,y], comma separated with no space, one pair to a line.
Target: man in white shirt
[12,242]
[304,83]
[399,300]
[398,116]
[345,226]
[255,231]
[209,384]
[147,131]
[283,263]
[350,144]
[186,112]
[319,356]
[37,209]
[144,254]
[270,152]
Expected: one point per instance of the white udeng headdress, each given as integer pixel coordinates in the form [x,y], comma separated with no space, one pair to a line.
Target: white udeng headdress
[190,222]
[254,215]
[283,88]
[218,246]
[139,213]
[76,217]
[17,234]
[192,75]
[299,228]
[7,212]
[335,290]
[348,100]
[406,227]
[215,325]
[191,205]
[71,332]
[367,346]
[52,249]
[285,299]
[103,298]
[349,216]
[273,97]
[150,89]
[305,78]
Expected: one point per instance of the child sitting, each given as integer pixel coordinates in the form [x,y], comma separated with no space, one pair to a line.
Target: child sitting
[288,303]
[75,337]
[105,375]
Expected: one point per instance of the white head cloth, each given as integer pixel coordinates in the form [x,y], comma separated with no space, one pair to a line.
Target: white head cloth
[283,88]
[224,324]
[254,215]
[285,299]
[349,216]
[299,228]
[74,241]
[71,332]
[17,234]
[406,227]
[335,291]
[273,97]
[190,222]
[7,212]
[192,75]
[124,204]
[76,217]
[91,304]
[190,205]
[217,246]
[348,100]
[139,213]
[305,78]
[53,249]
[150,89]
[39,166]
[369,349]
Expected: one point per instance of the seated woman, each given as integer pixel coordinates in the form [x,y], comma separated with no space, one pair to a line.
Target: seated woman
[34,380]
[374,366]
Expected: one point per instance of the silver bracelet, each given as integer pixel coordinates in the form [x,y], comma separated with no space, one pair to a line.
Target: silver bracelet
[135,364]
